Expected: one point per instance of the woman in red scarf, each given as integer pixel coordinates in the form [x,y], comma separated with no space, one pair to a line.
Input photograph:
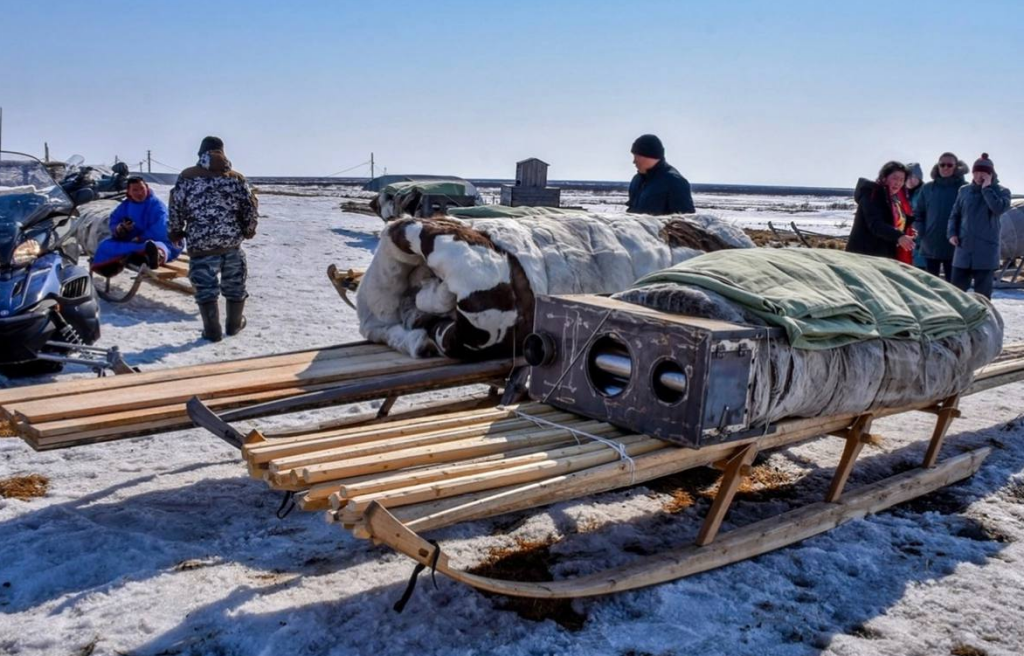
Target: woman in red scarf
[882,220]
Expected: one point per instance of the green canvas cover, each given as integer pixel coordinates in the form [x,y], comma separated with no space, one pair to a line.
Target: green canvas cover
[825,299]
[430,187]
[504,212]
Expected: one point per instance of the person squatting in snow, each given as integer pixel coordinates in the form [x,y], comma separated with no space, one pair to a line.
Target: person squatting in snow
[213,207]
[974,228]
[138,229]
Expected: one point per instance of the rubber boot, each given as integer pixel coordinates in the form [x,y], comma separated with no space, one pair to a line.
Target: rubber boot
[210,313]
[154,256]
[236,320]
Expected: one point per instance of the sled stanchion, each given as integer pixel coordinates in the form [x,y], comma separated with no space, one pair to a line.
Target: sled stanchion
[737,467]
[856,436]
[947,411]
[386,405]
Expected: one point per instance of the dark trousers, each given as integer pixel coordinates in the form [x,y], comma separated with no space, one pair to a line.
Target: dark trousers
[980,279]
[933,266]
[225,273]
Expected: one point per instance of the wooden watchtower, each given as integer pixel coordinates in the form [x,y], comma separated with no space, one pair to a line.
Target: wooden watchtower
[531,187]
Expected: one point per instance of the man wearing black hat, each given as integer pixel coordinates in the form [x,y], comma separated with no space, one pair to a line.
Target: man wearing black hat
[974,228]
[213,208]
[657,188]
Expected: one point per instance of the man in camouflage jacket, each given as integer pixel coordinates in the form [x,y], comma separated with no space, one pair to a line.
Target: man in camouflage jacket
[214,210]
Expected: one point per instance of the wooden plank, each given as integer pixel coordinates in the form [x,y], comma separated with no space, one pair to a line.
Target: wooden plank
[740,544]
[231,384]
[368,442]
[509,475]
[83,385]
[446,452]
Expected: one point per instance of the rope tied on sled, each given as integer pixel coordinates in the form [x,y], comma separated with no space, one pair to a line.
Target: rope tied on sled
[416,571]
[618,447]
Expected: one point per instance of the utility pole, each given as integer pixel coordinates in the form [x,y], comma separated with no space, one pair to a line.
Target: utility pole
[371,167]
[115,159]
[1,128]
[149,161]
[46,152]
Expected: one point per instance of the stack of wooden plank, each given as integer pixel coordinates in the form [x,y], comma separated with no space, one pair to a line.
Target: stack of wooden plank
[83,411]
[435,471]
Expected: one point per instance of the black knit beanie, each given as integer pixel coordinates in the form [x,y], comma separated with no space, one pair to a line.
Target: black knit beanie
[211,143]
[648,145]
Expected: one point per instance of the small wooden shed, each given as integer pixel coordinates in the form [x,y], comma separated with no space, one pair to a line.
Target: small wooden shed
[531,187]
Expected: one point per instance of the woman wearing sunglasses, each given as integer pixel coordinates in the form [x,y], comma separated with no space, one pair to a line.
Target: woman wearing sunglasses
[932,207]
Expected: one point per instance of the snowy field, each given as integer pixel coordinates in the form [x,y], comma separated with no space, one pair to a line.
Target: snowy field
[162,545]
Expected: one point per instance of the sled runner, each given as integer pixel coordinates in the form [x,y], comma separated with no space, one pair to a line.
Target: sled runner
[345,282]
[172,275]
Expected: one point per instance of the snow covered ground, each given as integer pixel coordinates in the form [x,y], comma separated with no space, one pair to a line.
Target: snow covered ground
[162,545]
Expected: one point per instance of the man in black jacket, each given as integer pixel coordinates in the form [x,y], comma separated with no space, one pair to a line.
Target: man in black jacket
[657,188]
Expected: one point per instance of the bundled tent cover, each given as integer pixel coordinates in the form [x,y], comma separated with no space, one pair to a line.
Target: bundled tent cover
[863,332]
[93,224]
[1011,232]
[465,287]
[401,198]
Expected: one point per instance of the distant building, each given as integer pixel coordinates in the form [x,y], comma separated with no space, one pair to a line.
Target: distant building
[531,187]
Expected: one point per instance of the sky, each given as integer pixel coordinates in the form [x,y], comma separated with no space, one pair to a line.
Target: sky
[786,92]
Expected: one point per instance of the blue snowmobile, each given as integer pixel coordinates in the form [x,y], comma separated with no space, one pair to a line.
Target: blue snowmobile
[49,315]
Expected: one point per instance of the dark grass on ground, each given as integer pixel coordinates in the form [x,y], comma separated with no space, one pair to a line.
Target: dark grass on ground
[24,487]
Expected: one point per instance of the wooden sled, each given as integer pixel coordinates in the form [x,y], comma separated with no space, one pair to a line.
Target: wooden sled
[739,544]
[1010,275]
[345,282]
[809,239]
[396,480]
[172,275]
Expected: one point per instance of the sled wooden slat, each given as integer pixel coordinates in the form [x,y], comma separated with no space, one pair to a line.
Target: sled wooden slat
[179,391]
[86,411]
[9,397]
[736,545]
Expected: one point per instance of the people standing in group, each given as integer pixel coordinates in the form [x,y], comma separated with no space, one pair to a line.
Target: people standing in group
[214,208]
[657,188]
[973,228]
[882,221]
[932,208]
[911,190]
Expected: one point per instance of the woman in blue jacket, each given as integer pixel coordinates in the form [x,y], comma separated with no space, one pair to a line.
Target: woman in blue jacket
[974,228]
[138,229]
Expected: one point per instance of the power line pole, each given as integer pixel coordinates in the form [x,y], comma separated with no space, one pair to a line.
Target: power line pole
[372,176]
[149,161]
[46,152]
[1,128]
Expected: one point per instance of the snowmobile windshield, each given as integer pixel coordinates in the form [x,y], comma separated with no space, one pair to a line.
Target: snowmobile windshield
[28,194]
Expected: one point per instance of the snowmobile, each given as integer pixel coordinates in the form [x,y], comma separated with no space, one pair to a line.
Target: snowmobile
[49,315]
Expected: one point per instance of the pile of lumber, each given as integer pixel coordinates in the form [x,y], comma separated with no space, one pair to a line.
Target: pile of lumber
[84,411]
[436,471]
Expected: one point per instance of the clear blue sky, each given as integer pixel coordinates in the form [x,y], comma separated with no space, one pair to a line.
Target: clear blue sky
[813,93]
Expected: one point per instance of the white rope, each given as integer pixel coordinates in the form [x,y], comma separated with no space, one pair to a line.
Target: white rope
[618,447]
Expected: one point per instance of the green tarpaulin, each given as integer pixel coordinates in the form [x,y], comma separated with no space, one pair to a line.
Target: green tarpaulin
[503,212]
[826,298]
[431,187]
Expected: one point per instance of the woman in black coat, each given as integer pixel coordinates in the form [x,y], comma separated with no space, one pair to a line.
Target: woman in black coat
[880,225]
